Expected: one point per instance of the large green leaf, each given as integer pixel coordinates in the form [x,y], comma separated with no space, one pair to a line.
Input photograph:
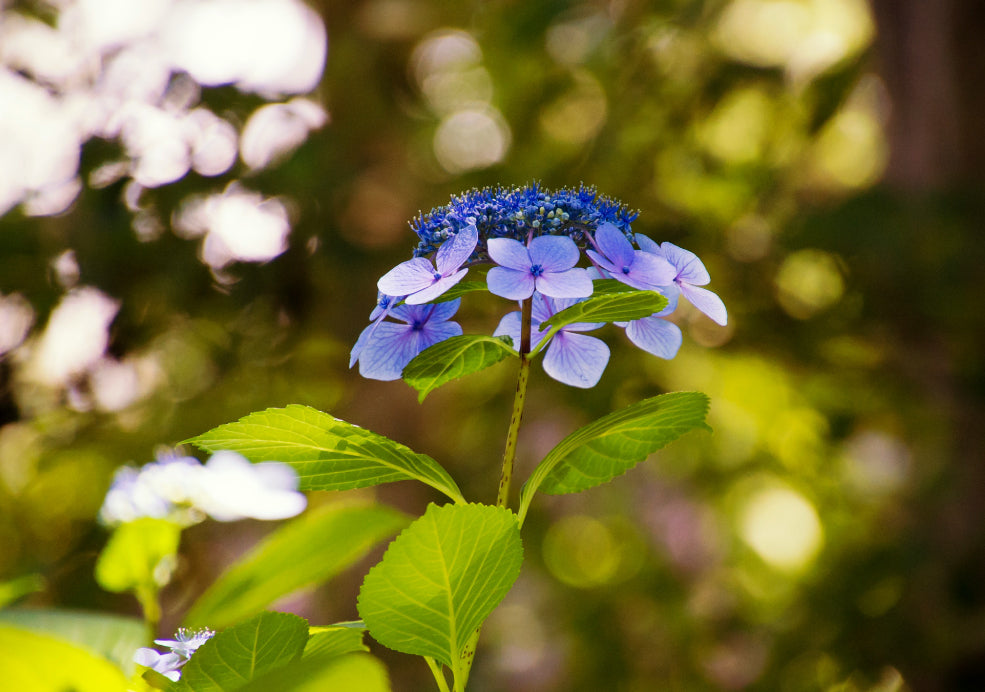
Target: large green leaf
[615,443]
[440,579]
[32,662]
[622,306]
[351,673]
[308,550]
[453,358]
[328,453]
[335,640]
[138,555]
[114,637]
[245,652]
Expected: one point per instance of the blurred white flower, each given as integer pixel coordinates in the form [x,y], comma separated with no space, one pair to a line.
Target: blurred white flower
[227,488]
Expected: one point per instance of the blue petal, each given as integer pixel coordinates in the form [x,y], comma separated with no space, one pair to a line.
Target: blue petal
[407,277]
[656,336]
[689,268]
[436,289]
[455,251]
[573,283]
[510,283]
[576,359]
[647,244]
[615,246]
[391,348]
[509,253]
[707,302]
[554,253]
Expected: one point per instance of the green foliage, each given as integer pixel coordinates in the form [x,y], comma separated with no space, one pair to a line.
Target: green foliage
[460,289]
[615,443]
[355,672]
[335,640]
[440,579]
[139,555]
[113,637]
[327,453]
[33,662]
[454,358]
[609,307]
[316,546]
[14,589]
[245,652]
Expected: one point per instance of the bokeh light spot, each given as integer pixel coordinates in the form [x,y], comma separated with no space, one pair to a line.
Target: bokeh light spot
[809,281]
[781,526]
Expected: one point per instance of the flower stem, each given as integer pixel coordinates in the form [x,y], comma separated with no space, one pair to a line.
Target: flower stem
[509,454]
[439,675]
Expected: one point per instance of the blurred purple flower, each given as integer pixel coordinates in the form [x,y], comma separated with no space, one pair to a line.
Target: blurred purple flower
[387,347]
[420,281]
[574,359]
[169,665]
[643,270]
[546,265]
[689,274]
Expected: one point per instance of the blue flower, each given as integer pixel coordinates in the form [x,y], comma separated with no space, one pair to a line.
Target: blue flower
[689,274]
[384,304]
[643,270]
[422,282]
[546,265]
[386,347]
[572,358]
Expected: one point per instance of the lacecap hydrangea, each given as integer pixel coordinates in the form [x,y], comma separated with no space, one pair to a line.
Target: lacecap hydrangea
[551,248]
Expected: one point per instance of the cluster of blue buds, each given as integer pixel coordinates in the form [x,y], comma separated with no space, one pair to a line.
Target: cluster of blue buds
[535,238]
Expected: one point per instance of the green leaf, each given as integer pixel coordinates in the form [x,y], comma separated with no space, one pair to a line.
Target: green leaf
[244,652]
[138,554]
[14,589]
[453,358]
[609,307]
[440,579]
[610,286]
[351,673]
[327,453]
[316,546]
[114,637]
[35,662]
[600,451]
[335,640]
[459,290]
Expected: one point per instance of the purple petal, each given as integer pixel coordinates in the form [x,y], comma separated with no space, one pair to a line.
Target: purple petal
[656,336]
[436,289]
[647,244]
[603,262]
[391,348]
[509,253]
[689,268]
[543,308]
[707,302]
[455,251]
[573,283]
[407,277]
[436,312]
[444,310]
[435,332]
[615,245]
[554,253]
[510,283]
[652,269]
[576,359]
[364,338]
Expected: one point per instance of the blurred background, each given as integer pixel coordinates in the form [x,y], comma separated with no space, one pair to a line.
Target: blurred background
[197,197]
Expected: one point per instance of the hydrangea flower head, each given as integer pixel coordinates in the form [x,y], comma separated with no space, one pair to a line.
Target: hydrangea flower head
[422,282]
[384,349]
[546,265]
[689,275]
[575,359]
[521,213]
